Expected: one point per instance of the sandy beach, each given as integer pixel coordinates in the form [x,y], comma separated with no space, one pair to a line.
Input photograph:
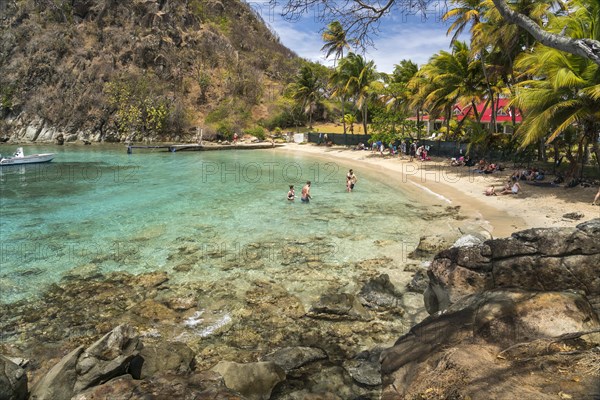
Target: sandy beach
[435,182]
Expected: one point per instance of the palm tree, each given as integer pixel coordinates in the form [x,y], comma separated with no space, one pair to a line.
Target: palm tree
[307,90]
[470,12]
[396,94]
[450,78]
[359,76]
[564,94]
[335,43]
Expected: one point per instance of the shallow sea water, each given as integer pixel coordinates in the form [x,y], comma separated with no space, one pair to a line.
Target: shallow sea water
[201,216]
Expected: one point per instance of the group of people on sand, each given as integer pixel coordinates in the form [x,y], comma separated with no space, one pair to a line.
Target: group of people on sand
[305,196]
[483,167]
[405,147]
[511,187]
[530,174]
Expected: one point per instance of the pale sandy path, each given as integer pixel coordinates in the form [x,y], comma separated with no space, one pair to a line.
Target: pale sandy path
[435,182]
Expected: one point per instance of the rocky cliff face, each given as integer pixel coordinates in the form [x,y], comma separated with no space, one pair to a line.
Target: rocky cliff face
[511,318]
[106,69]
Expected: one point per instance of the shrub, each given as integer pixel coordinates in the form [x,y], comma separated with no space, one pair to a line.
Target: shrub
[224,131]
[257,131]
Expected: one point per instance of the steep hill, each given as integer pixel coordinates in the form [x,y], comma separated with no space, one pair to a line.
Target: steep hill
[113,69]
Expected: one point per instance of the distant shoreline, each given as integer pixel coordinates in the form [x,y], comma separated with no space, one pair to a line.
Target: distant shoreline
[436,182]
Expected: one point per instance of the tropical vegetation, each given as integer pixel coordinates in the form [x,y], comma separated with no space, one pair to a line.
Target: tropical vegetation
[556,93]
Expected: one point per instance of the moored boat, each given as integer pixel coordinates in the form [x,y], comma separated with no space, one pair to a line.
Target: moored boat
[20,158]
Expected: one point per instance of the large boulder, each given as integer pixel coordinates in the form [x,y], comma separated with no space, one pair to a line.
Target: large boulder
[81,369]
[253,380]
[13,380]
[175,357]
[466,350]
[204,385]
[534,259]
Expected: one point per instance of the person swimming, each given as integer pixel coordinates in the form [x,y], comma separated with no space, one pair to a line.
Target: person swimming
[291,194]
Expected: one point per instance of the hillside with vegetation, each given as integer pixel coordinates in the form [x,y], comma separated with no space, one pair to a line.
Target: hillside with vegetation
[111,70]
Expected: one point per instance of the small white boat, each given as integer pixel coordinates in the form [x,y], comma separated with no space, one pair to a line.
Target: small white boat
[20,158]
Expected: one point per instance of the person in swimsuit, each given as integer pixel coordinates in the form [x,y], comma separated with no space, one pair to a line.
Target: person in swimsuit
[291,194]
[352,179]
[305,197]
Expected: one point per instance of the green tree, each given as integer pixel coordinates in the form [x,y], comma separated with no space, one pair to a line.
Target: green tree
[307,90]
[450,78]
[335,43]
[358,76]
[563,96]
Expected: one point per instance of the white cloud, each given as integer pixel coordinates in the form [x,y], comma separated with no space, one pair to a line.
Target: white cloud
[305,42]
[400,38]
[411,42]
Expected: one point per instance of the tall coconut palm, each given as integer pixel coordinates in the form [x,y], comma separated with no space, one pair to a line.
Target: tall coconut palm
[564,94]
[471,12]
[307,90]
[359,76]
[335,42]
[450,78]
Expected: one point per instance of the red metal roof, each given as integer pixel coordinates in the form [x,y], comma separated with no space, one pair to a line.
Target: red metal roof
[503,113]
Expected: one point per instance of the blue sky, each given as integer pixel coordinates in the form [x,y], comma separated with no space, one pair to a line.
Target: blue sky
[400,37]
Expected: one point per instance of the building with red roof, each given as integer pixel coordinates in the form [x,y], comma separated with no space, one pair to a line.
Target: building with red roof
[504,117]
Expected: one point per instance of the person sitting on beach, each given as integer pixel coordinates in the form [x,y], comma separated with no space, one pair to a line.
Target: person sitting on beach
[457,162]
[419,151]
[491,191]
[481,165]
[516,175]
[305,197]
[514,188]
[291,194]
[489,168]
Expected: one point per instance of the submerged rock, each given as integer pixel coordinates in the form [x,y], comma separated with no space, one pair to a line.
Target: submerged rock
[253,380]
[339,306]
[290,358]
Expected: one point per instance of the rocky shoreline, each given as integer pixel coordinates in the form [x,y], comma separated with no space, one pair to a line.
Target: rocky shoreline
[511,318]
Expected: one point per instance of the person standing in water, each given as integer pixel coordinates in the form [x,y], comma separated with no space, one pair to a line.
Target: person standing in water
[305,197]
[352,179]
[291,194]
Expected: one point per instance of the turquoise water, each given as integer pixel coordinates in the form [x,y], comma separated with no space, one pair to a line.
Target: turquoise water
[204,216]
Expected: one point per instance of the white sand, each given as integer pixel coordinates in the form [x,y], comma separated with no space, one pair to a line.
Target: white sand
[436,182]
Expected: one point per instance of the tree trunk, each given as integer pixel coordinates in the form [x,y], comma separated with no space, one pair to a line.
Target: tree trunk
[365,117]
[343,115]
[587,48]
